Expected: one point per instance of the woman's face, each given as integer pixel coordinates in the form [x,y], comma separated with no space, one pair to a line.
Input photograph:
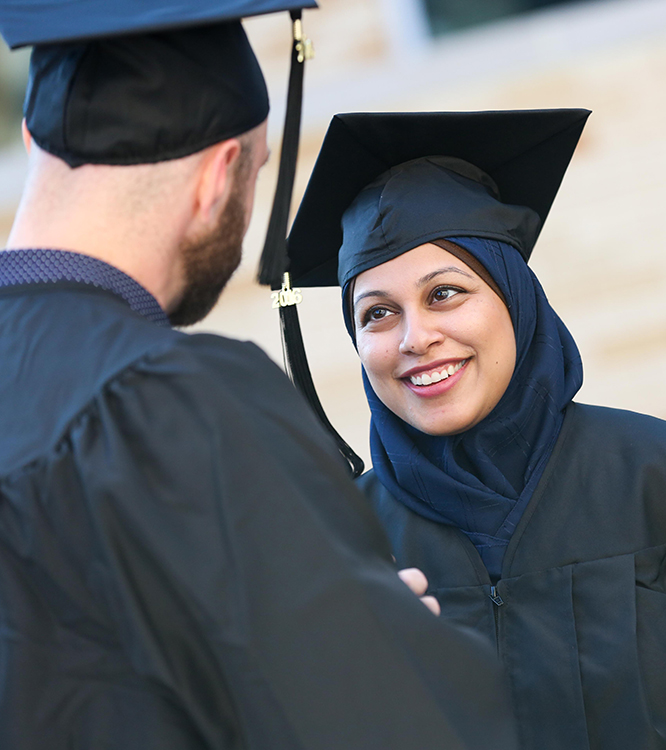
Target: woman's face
[436,342]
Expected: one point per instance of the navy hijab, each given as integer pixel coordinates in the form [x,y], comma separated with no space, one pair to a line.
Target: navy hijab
[481,480]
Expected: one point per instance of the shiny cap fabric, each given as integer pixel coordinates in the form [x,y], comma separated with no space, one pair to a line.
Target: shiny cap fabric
[144,98]
[412,177]
[423,200]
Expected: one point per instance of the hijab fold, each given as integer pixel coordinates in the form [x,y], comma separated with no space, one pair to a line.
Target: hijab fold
[481,480]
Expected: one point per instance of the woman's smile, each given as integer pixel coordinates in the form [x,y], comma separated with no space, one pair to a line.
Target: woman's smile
[435,340]
[423,377]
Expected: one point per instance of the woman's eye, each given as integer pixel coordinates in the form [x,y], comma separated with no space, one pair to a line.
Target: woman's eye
[376,314]
[443,293]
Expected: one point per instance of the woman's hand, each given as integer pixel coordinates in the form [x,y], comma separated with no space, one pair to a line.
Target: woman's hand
[418,583]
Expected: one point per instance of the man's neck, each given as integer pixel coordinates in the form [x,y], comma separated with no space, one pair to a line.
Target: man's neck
[142,266]
[87,218]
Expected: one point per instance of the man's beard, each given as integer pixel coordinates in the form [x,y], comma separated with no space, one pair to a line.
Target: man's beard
[209,262]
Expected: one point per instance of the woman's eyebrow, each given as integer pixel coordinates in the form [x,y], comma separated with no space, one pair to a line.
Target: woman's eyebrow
[373,293]
[447,269]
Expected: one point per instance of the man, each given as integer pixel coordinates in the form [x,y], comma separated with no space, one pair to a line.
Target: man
[183,562]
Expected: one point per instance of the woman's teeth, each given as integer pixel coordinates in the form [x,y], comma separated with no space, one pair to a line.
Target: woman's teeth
[435,377]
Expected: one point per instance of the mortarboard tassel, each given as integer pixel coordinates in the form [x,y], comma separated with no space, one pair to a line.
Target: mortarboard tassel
[273,264]
[273,261]
[297,367]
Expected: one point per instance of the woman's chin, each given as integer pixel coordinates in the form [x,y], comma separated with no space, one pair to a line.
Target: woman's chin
[441,425]
[447,416]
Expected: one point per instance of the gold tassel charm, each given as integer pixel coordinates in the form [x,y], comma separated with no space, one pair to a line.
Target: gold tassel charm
[286,296]
[304,46]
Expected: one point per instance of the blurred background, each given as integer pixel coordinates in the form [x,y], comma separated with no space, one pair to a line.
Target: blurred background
[601,257]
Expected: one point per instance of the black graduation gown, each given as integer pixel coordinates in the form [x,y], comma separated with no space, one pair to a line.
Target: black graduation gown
[184,563]
[579,614]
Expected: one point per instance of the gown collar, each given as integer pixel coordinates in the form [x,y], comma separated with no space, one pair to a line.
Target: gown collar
[39,266]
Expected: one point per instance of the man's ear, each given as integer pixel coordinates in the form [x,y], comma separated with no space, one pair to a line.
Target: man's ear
[25,134]
[215,180]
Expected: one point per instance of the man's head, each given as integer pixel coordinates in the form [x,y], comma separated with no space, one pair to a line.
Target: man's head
[145,153]
[175,226]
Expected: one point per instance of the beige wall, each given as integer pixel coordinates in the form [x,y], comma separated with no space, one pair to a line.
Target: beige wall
[600,256]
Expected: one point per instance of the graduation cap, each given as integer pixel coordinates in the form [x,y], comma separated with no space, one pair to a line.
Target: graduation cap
[519,156]
[384,184]
[124,82]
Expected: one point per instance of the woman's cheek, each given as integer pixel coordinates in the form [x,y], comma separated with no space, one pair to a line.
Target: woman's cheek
[365,353]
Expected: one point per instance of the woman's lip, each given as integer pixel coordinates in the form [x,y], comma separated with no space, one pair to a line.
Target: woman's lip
[438,366]
[436,389]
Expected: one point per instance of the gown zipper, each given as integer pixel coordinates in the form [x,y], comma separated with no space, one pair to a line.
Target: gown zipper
[498,602]
[497,599]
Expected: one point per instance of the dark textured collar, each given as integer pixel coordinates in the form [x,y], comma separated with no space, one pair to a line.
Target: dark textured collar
[19,267]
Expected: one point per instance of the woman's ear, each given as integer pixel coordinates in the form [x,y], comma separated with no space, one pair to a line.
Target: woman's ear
[215,180]
[25,134]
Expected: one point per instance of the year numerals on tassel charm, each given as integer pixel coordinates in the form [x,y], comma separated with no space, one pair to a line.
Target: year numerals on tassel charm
[286,296]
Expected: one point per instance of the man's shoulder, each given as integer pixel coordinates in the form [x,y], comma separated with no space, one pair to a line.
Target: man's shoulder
[211,367]
[91,337]
[226,357]
[65,351]
[224,376]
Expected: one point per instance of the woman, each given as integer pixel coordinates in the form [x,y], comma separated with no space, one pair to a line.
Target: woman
[538,522]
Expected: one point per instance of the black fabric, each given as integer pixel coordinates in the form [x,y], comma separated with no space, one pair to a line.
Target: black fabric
[144,98]
[273,261]
[519,155]
[27,22]
[423,200]
[580,625]
[184,564]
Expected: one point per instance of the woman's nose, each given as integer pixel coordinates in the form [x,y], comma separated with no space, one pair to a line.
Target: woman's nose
[421,331]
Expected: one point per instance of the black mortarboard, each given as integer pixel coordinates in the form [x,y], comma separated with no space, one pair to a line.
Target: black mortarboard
[123,82]
[397,181]
[512,165]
